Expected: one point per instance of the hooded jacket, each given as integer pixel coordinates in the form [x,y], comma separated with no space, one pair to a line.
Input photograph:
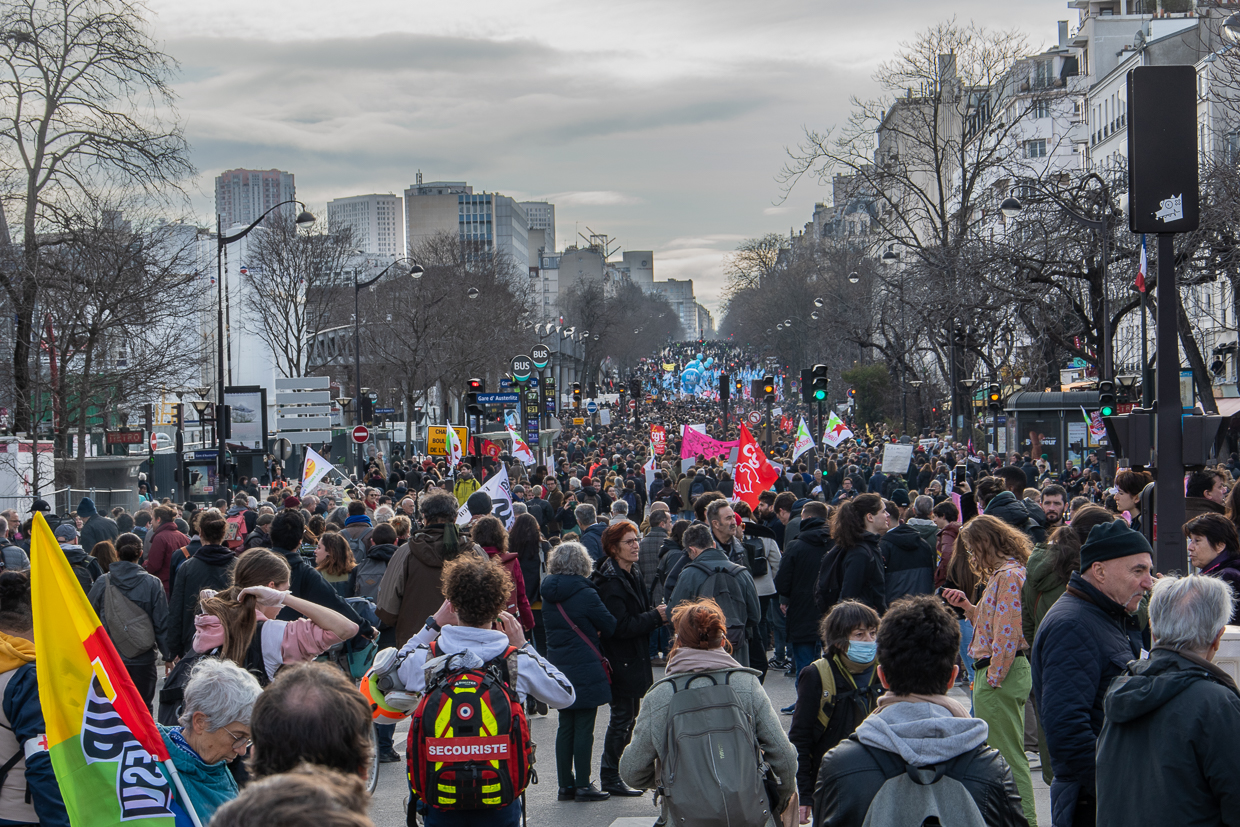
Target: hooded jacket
[693,577]
[209,786]
[20,724]
[627,647]
[411,589]
[919,735]
[208,569]
[1012,511]
[908,562]
[77,557]
[96,528]
[565,648]
[165,541]
[797,577]
[1172,721]
[670,556]
[143,589]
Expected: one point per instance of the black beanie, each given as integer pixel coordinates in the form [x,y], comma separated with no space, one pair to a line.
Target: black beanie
[479,503]
[1110,540]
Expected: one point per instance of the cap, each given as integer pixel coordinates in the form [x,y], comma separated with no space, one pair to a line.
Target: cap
[66,531]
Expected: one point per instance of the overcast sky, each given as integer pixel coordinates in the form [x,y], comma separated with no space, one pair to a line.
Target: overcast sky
[662,124]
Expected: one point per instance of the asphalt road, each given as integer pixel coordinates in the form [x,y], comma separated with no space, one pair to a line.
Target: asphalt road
[387,808]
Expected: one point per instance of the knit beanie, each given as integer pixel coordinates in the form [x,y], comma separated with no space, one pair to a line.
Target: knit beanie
[1111,540]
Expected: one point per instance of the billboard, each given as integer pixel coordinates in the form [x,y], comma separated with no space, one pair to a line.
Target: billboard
[249,416]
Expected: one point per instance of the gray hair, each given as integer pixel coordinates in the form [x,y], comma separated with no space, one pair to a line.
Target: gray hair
[1189,612]
[519,508]
[620,507]
[698,536]
[384,514]
[570,558]
[222,691]
[585,515]
[923,505]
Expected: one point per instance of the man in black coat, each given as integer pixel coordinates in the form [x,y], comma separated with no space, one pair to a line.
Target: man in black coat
[208,568]
[917,647]
[795,582]
[1084,642]
[1174,718]
[286,533]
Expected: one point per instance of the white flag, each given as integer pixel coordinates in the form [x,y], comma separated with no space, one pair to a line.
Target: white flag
[804,441]
[500,492]
[315,468]
[455,451]
[520,449]
[650,468]
[836,431]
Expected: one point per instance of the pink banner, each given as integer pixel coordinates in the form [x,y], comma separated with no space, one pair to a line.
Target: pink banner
[693,443]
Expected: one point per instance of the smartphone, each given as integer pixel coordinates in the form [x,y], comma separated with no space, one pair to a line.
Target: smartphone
[959,475]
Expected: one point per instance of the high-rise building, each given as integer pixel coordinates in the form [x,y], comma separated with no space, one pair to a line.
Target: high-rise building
[485,223]
[541,216]
[377,221]
[242,195]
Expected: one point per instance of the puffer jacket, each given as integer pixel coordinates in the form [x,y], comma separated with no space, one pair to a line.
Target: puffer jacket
[146,592]
[209,568]
[1172,721]
[30,793]
[908,562]
[1012,511]
[565,649]
[1085,641]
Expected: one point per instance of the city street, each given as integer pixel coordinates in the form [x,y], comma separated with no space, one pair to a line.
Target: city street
[387,809]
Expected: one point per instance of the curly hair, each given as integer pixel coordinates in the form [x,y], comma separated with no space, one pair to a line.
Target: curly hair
[918,641]
[489,532]
[700,624]
[992,542]
[477,588]
[615,533]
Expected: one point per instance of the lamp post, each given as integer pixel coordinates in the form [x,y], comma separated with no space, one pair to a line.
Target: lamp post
[969,383]
[1011,207]
[222,241]
[415,271]
[916,383]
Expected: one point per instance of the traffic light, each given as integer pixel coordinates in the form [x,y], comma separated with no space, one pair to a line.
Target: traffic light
[576,394]
[994,397]
[224,415]
[635,388]
[807,385]
[852,393]
[594,390]
[1106,398]
[725,387]
[819,382]
[368,408]
[1128,436]
[768,388]
[472,407]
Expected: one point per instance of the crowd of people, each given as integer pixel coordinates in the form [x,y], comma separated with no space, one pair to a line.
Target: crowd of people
[950,630]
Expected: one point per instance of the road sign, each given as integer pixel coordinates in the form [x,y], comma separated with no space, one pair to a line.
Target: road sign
[755,417]
[540,355]
[592,407]
[385,411]
[532,382]
[498,398]
[522,367]
[579,420]
[282,448]
[124,437]
[361,433]
[437,438]
[632,404]
[154,443]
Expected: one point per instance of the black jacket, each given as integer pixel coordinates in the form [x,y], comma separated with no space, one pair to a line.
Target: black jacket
[565,649]
[908,561]
[208,569]
[1012,511]
[864,575]
[670,556]
[147,592]
[1172,721]
[96,529]
[797,577]
[850,705]
[1084,642]
[308,584]
[851,776]
[628,646]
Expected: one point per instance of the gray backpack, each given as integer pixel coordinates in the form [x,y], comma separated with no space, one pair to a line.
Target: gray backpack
[913,798]
[131,629]
[712,772]
[367,577]
[724,586]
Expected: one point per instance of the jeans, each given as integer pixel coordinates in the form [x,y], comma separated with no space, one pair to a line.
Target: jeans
[384,734]
[803,654]
[574,743]
[966,637]
[619,733]
[506,816]
[764,625]
[660,640]
[1003,710]
[779,626]
[539,633]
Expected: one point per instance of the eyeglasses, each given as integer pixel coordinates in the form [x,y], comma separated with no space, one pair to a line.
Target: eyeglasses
[238,739]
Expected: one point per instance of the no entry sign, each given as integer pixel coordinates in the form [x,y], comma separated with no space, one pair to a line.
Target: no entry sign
[361,433]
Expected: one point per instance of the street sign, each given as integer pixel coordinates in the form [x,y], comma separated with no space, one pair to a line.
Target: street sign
[592,407]
[282,448]
[361,433]
[124,437]
[154,443]
[632,404]
[437,438]
[522,367]
[385,411]
[498,398]
[540,355]
[754,417]
[531,383]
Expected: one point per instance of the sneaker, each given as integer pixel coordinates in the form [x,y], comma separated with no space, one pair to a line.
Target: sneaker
[387,755]
[788,710]
[1035,760]
[777,663]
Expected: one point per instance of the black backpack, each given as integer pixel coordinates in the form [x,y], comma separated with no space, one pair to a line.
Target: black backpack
[830,580]
[755,556]
[172,693]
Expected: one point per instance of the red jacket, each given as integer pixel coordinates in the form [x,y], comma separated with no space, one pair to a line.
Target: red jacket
[518,602]
[166,541]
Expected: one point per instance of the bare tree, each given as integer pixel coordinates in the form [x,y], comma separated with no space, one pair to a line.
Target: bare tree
[753,260]
[86,104]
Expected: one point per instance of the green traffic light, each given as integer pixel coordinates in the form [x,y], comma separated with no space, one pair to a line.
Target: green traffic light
[1107,410]
[820,395]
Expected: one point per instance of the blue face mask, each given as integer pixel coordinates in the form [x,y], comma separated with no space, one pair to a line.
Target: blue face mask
[861,652]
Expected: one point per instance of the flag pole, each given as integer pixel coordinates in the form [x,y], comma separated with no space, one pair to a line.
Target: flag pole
[181,794]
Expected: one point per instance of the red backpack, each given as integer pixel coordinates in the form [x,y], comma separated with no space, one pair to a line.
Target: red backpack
[234,534]
[469,740]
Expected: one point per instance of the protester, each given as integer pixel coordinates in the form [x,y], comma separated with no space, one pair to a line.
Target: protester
[488,533]
[700,657]
[214,730]
[1081,646]
[627,646]
[165,540]
[908,558]
[704,574]
[1051,567]
[96,527]
[333,559]
[304,795]
[795,581]
[1214,548]
[946,518]
[916,729]
[857,526]
[85,567]
[208,568]
[304,582]
[1166,754]
[1000,654]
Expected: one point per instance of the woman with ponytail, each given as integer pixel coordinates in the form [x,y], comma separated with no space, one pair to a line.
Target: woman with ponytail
[30,794]
[701,648]
[240,623]
[857,526]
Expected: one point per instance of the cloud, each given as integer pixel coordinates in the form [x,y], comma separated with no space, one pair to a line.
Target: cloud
[593,198]
[775,211]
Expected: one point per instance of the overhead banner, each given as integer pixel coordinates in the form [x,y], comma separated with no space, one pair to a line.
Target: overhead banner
[694,443]
[500,492]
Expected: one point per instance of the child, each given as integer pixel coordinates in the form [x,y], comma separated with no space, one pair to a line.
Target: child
[826,715]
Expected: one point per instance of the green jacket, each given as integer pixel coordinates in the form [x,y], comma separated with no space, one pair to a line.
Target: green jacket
[1042,588]
[209,786]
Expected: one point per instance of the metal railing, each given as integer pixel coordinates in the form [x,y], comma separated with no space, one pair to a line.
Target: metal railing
[105,499]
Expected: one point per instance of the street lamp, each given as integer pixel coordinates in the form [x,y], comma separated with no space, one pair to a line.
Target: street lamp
[854,277]
[304,218]
[969,383]
[1231,29]
[1127,382]
[415,271]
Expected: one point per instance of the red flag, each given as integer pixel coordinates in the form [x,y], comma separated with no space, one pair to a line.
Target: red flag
[658,437]
[753,473]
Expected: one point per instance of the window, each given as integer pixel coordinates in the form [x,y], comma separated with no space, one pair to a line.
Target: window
[1035,149]
[1040,109]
